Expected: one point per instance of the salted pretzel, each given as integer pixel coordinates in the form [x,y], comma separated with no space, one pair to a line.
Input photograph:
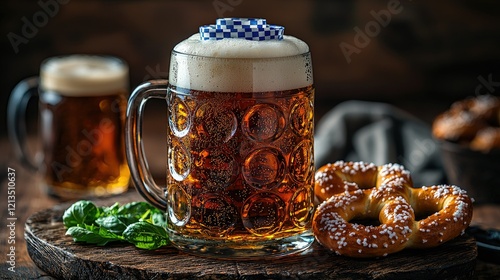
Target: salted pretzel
[364,191]
[343,176]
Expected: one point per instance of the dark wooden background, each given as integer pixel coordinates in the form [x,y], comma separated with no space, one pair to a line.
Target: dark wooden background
[428,55]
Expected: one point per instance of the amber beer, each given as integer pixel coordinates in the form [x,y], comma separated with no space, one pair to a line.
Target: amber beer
[244,169]
[82,107]
[240,167]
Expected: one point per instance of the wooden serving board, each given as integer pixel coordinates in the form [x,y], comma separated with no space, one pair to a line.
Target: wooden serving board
[58,255]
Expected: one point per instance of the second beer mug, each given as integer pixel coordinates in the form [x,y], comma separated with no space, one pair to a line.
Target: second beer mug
[240,142]
[82,101]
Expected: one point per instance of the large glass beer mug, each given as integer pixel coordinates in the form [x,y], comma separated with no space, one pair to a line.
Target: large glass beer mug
[240,164]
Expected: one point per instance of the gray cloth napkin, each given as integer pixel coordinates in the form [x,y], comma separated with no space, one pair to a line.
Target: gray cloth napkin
[379,133]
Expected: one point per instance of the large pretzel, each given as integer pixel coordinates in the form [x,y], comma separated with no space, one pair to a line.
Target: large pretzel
[361,191]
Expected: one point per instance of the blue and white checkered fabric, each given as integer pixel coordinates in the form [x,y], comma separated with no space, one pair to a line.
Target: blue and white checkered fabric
[247,28]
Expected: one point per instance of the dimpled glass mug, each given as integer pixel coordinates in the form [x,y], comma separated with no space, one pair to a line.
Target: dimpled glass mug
[82,103]
[240,167]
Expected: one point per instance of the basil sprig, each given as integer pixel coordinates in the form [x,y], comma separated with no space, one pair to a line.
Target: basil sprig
[138,223]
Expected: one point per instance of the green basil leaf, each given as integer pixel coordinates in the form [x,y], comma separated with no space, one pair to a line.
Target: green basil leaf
[81,212]
[109,235]
[138,223]
[158,218]
[112,210]
[137,208]
[146,236]
[97,236]
[116,223]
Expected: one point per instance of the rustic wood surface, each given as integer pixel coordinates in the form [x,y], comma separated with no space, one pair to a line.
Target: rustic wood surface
[30,199]
[58,255]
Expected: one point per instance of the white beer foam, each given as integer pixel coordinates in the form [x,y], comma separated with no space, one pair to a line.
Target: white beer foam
[84,75]
[239,65]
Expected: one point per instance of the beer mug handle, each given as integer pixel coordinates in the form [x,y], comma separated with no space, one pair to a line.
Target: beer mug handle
[16,121]
[138,165]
